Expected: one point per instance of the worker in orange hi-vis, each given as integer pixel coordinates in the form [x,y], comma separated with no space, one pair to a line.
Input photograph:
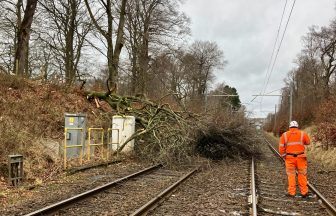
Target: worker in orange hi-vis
[292,149]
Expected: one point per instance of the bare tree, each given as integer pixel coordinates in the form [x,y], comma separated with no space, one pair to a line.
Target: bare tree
[65,33]
[10,21]
[187,73]
[23,37]
[151,25]
[104,10]
[324,44]
[312,79]
[207,57]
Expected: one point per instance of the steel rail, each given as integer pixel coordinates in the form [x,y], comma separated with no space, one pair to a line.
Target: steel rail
[157,199]
[328,205]
[59,205]
[253,190]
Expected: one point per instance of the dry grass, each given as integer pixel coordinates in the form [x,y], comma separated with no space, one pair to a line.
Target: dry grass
[326,158]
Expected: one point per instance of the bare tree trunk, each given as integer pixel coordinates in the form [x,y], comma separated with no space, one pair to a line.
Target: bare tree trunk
[18,26]
[113,53]
[144,61]
[23,37]
[132,25]
[70,72]
[69,21]
[26,70]
[108,36]
[134,79]
[140,18]
[119,43]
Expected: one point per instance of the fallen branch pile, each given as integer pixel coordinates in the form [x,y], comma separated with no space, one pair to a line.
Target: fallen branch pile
[165,135]
[218,143]
[162,134]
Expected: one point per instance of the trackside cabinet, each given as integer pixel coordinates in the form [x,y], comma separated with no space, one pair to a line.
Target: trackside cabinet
[125,126]
[15,169]
[75,130]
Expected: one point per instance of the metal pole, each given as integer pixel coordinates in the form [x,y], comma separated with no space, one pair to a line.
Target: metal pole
[291,102]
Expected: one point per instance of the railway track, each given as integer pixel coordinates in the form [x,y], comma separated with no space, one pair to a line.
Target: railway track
[127,196]
[141,192]
[268,189]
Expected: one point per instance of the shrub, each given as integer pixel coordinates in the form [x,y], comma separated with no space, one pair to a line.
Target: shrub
[326,123]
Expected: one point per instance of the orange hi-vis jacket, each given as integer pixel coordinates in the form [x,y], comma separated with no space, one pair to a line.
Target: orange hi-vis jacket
[292,143]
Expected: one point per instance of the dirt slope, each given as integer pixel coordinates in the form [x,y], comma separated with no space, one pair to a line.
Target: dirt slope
[31,115]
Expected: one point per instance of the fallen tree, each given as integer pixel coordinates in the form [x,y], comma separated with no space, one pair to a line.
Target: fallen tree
[160,130]
[165,135]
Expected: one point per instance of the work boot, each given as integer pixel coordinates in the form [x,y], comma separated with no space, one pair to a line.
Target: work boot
[290,195]
[308,195]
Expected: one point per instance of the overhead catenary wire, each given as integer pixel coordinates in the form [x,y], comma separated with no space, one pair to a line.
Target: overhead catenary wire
[267,94]
[273,91]
[278,50]
[274,47]
[263,89]
[277,53]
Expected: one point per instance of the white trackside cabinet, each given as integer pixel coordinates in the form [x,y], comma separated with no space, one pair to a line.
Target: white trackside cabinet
[125,125]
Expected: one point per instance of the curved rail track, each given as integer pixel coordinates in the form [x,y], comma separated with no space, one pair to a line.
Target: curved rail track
[268,191]
[82,201]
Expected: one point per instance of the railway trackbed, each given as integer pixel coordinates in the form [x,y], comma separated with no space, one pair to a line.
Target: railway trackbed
[268,189]
[142,192]
[124,196]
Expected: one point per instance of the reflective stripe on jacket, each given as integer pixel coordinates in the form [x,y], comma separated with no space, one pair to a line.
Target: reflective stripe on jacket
[292,143]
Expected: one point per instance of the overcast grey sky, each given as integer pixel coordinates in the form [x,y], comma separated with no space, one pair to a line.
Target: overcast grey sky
[246,30]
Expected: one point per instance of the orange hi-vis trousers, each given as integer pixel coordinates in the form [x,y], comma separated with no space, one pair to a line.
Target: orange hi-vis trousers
[298,164]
